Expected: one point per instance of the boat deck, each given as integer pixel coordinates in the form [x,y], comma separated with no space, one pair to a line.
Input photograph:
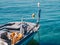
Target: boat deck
[16,27]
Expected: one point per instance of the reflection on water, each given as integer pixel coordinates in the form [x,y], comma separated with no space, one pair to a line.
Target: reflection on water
[33,42]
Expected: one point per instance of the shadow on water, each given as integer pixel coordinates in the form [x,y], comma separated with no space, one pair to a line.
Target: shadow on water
[33,42]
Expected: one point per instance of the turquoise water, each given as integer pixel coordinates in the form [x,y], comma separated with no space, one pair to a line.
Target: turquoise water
[14,10]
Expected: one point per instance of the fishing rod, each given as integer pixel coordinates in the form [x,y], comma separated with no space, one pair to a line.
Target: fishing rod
[38,22]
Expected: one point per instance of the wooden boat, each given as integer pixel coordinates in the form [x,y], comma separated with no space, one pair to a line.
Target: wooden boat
[18,33]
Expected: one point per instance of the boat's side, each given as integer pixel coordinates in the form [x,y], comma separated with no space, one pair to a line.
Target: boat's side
[25,40]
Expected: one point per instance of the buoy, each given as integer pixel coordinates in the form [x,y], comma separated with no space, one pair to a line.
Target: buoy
[33,15]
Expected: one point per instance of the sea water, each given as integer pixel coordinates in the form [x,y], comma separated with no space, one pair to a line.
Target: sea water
[14,10]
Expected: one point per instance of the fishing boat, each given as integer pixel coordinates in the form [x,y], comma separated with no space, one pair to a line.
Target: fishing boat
[19,33]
